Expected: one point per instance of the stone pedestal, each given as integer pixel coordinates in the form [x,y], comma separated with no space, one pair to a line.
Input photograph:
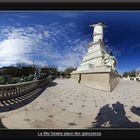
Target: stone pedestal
[99,80]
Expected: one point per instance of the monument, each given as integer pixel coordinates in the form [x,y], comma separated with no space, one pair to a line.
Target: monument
[98,67]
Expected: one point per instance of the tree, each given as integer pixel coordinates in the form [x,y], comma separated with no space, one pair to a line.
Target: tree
[125,74]
[52,70]
[68,71]
[137,71]
[13,71]
[28,70]
[131,73]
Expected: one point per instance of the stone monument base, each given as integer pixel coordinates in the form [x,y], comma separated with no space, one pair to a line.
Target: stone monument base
[99,80]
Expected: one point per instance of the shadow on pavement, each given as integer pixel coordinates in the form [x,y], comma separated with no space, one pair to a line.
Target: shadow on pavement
[51,84]
[113,117]
[136,110]
[1,124]
[18,104]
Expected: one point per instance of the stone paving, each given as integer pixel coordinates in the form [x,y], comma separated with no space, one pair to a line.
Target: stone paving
[66,104]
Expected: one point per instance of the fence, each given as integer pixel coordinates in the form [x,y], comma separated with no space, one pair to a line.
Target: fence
[16,90]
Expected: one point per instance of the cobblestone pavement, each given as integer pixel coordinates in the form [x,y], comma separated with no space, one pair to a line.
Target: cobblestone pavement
[67,104]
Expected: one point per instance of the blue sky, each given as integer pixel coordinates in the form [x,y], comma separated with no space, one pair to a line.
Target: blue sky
[61,38]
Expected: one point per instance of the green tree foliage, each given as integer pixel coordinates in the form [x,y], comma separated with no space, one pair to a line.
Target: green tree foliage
[131,73]
[68,71]
[49,71]
[9,71]
[27,71]
[15,71]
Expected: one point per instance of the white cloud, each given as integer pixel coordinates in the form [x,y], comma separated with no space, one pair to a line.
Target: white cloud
[74,46]
[115,51]
[18,45]
[21,16]
[46,34]
[43,44]
[68,15]
[138,69]
[12,50]
[73,56]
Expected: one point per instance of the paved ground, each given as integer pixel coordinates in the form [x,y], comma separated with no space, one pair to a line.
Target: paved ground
[67,104]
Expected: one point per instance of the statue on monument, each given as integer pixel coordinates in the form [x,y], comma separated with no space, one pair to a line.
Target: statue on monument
[110,61]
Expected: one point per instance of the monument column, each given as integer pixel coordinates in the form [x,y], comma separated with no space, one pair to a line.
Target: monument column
[98,32]
[98,68]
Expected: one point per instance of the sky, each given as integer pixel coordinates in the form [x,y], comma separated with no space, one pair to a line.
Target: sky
[60,38]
